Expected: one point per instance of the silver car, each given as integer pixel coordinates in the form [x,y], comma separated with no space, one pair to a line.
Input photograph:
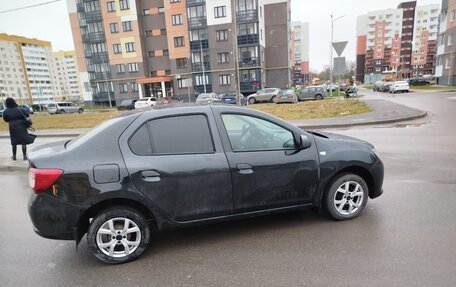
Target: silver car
[264,95]
[286,96]
[312,93]
[207,98]
[64,107]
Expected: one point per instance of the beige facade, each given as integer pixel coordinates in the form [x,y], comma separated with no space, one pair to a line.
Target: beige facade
[67,86]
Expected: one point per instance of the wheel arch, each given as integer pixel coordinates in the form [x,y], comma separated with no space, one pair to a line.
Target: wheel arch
[358,170]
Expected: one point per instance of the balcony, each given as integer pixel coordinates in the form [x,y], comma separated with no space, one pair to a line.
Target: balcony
[197,22]
[96,37]
[248,39]
[101,76]
[199,44]
[91,17]
[195,2]
[98,58]
[198,66]
[247,15]
[249,62]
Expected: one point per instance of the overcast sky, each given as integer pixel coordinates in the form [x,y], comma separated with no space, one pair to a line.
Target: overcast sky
[51,23]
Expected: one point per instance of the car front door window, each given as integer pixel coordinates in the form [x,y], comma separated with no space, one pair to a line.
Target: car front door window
[248,133]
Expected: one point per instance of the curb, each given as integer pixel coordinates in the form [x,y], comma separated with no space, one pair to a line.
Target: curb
[9,168]
[369,123]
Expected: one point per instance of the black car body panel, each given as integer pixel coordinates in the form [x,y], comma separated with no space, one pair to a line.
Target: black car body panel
[101,169]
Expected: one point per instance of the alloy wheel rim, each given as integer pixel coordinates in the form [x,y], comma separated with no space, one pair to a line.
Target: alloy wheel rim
[118,237]
[348,198]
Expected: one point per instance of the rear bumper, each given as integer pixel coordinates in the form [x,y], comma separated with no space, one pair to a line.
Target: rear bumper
[53,218]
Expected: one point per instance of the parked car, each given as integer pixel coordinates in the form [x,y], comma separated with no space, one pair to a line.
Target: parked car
[128,104]
[27,108]
[145,102]
[264,95]
[207,98]
[1,111]
[386,87]
[169,167]
[378,86]
[230,98]
[286,96]
[312,93]
[168,101]
[418,82]
[399,86]
[64,107]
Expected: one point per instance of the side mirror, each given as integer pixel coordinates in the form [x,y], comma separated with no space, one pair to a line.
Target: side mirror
[305,142]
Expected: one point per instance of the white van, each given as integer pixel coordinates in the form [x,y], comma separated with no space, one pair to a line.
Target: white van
[64,107]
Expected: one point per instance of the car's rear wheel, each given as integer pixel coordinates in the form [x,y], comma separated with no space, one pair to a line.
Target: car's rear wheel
[273,99]
[80,111]
[252,100]
[346,197]
[118,234]
[319,97]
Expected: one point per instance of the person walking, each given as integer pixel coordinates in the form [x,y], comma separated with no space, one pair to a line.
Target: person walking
[15,117]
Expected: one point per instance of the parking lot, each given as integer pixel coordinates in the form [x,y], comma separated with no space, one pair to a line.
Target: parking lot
[403,238]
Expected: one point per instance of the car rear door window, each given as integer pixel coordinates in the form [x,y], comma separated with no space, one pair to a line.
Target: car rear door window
[189,134]
[247,133]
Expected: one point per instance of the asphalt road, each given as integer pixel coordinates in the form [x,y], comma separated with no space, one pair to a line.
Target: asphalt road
[404,238]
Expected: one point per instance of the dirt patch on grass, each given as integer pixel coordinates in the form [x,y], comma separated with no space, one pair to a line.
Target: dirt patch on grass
[314,109]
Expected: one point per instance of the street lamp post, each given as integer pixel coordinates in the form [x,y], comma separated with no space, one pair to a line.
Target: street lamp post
[202,63]
[331,67]
[107,89]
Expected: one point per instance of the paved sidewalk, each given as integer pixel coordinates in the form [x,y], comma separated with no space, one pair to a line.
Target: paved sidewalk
[384,112]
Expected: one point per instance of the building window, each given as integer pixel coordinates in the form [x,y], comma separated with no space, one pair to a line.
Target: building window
[181,83]
[178,41]
[111,6]
[146,12]
[153,73]
[123,87]
[117,48]
[161,10]
[127,26]
[163,32]
[224,80]
[148,33]
[167,72]
[165,52]
[174,1]
[221,35]
[220,11]
[120,68]
[134,87]
[124,4]
[151,53]
[450,39]
[223,58]
[447,63]
[133,67]
[130,47]
[181,63]
[114,27]
[176,19]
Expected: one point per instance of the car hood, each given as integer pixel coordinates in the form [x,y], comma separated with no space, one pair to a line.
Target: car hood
[334,136]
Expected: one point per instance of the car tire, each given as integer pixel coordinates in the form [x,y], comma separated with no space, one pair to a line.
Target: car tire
[62,111]
[272,99]
[252,100]
[80,111]
[318,97]
[346,197]
[108,238]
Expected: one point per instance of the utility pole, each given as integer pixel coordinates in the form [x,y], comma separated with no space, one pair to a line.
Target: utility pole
[331,58]
[107,89]
[235,52]
[202,62]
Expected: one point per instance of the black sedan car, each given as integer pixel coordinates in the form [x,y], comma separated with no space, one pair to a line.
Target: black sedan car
[126,105]
[168,167]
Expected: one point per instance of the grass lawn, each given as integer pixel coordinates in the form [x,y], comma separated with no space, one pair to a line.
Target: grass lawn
[301,110]
[430,87]
[66,121]
[314,109]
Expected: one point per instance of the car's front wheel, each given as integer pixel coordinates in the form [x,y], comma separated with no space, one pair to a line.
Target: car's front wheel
[252,100]
[118,234]
[346,197]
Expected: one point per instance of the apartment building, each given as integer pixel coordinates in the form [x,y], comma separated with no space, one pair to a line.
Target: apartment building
[131,49]
[65,77]
[398,43]
[300,53]
[446,50]
[25,69]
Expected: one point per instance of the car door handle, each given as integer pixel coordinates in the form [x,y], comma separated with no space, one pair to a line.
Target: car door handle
[244,168]
[150,176]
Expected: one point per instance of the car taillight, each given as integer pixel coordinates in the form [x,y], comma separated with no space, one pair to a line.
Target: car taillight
[41,179]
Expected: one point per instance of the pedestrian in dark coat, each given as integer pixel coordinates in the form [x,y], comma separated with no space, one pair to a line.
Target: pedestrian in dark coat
[19,135]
